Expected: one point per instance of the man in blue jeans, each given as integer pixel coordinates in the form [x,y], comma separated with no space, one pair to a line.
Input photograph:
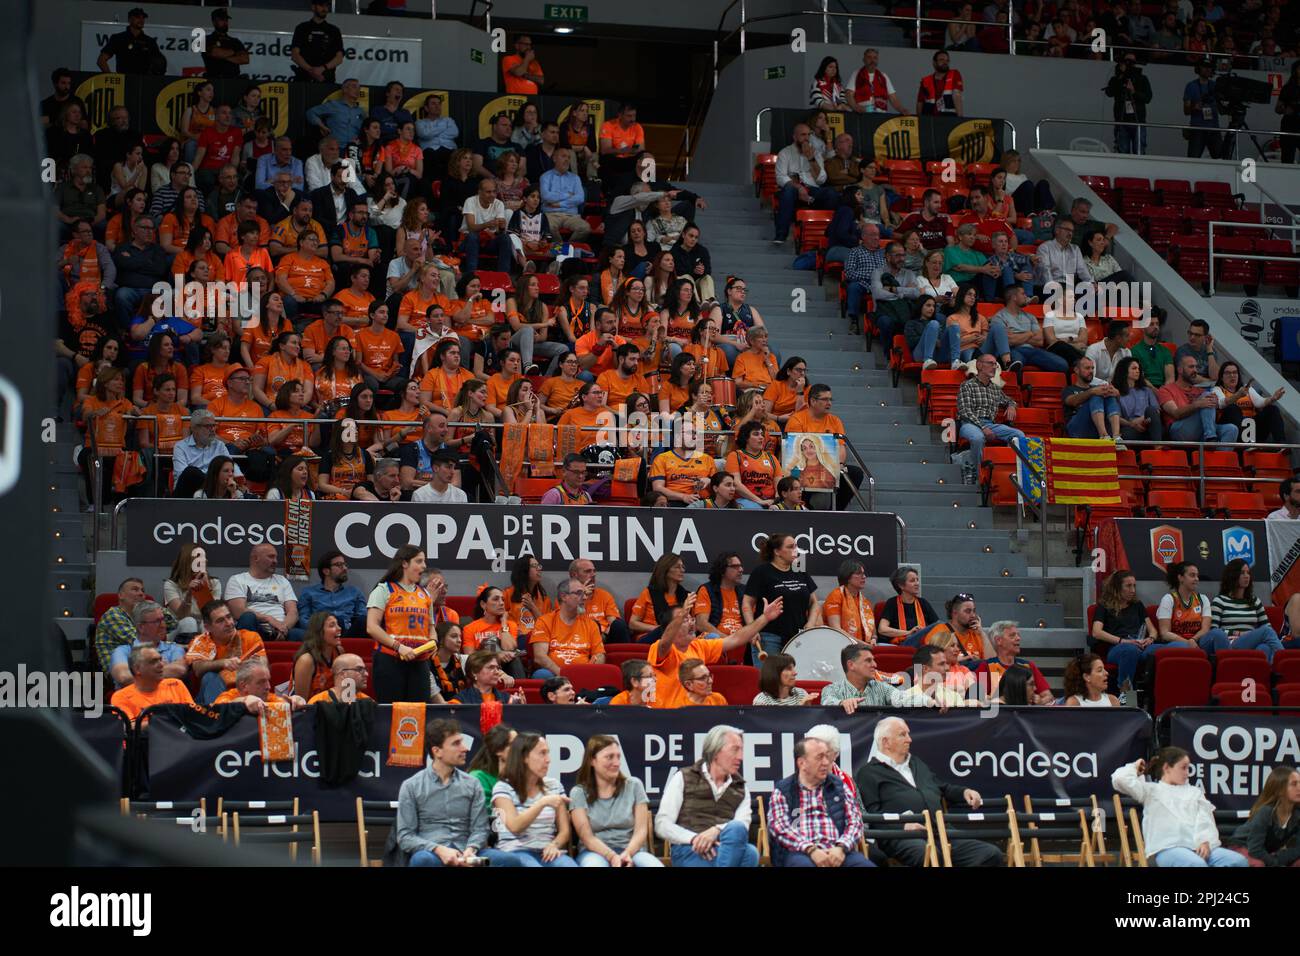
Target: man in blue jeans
[1090,404]
[442,818]
[800,181]
[1191,409]
[978,402]
[1016,337]
[704,813]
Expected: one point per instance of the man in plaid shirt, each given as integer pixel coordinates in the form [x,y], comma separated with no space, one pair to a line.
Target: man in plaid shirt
[117,629]
[866,259]
[815,820]
[978,401]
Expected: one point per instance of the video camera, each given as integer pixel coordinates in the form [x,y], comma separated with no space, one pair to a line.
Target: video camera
[1233,92]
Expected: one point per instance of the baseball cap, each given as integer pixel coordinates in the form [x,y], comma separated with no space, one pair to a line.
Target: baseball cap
[236,370]
[136,12]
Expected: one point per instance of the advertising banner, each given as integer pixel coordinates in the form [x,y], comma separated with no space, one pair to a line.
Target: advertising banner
[1233,751]
[489,537]
[1147,546]
[1040,751]
[372,60]
[890,136]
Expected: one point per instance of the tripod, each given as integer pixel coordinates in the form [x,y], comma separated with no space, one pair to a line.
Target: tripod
[1237,121]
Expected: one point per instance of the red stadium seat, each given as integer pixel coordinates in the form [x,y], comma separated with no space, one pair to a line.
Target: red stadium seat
[1240,504]
[1232,666]
[361,646]
[1214,194]
[736,682]
[1035,421]
[281,671]
[618,653]
[1181,681]
[996,470]
[1276,617]
[491,281]
[1167,464]
[532,690]
[1173,504]
[937,393]
[892,658]
[810,226]
[593,676]
[627,608]
[532,489]
[462,604]
[1044,389]
[1219,464]
[1236,695]
[1286,663]
[1290,697]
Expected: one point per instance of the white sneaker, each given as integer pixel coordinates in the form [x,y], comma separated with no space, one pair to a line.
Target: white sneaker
[928,364]
[957,365]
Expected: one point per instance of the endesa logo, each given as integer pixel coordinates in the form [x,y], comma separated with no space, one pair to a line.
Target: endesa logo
[218,531]
[812,543]
[1024,763]
[1239,542]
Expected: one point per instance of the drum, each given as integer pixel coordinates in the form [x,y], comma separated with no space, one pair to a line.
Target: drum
[816,653]
[724,390]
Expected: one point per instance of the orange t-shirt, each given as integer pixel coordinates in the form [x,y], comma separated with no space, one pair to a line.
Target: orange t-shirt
[378,349]
[576,643]
[478,310]
[442,387]
[753,369]
[306,275]
[356,305]
[216,271]
[225,407]
[676,395]
[476,632]
[515,610]
[259,343]
[681,474]
[324,697]
[317,337]
[619,388]
[717,364]
[231,695]
[731,620]
[586,345]
[132,701]
[782,397]
[169,426]
[757,474]
[622,138]
[179,232]
[557,393]
[601,609]
[601,418]
[110,429]
[803,421]
[414,307]
[855,613]
[208,382]
[643,608]
[329,387]
[669,692]
[397,415]
[499,388]
[228,232]
[519,85]
[277,372]
[237,264]
[294,440]
[145,374]
[286,232]
[204,648]
[399,153]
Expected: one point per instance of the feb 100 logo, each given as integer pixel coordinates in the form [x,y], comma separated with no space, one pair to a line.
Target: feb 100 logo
[1239,542]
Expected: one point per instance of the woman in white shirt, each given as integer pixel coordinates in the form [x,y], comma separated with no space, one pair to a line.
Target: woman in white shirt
[1086,681]
[1239,400]
[935,282]
[1177,820]
[1066,337]
[1101,264]
[387,207]
[291,481]
[531,815]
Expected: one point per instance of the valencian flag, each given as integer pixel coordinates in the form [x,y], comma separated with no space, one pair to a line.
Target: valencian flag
[1029,473]
[1082,471]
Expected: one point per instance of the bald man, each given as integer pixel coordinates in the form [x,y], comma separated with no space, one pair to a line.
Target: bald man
[253,689]
[349,682]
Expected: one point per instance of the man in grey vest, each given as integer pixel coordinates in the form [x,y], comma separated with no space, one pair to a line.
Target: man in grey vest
[704,814]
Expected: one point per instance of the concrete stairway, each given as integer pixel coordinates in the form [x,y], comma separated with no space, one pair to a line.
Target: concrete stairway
[949,535]
[71,579]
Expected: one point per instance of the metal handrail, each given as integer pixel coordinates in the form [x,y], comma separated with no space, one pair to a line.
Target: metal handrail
[1235,131]
[1148,50]
[758,126]
[1293,228]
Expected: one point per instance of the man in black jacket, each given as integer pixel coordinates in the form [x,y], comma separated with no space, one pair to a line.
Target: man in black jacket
[1131,91]
[894,781]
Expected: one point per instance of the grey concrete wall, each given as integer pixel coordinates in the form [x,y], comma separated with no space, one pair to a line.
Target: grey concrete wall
[1023,90]
[444,43]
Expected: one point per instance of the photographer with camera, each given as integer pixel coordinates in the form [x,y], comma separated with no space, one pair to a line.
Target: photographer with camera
[1131,91]
[1201,104]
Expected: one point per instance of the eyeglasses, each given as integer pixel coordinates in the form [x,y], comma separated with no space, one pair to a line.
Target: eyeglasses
[707,678]
[737,566]
[352,669]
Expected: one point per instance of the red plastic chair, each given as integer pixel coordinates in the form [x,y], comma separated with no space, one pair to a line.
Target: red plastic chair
[462,604]
[592,676]
[491,281]
[1235,695]
[1181,681]
[1173,504]
[1233,666]
[532,690]
[618,653]
[812,686]
[1241,504]
[736,682]
[937,393]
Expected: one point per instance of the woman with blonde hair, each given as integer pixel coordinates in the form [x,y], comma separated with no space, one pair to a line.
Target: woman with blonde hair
[959,676]
[1271,836]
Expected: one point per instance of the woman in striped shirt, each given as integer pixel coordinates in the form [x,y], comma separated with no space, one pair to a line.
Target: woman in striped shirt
[776,684]
[1237,617]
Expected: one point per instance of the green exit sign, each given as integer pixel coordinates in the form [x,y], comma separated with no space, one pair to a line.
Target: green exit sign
[774,73]
[476,56]
[566,14]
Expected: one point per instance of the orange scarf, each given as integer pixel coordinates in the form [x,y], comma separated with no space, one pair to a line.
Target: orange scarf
[541,449]
[406,735]
[275,731]
[512,452]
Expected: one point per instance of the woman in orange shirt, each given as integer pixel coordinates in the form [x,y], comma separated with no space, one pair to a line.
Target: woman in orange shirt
[106,411]
[652,609]
[557,392]
[108,353]
[753,407]
[404,160]
[199,246]
[754,467]
[283,363]
[198,116]
[118,230]
[498,384]
[338,375]
[611,267]
[168,422]
[289,402]
[493,630]
[303,276]
[410,409]
[247,255]
[681,310]
[675,392]
[789,392]
[255,340]
[700,404]
[471,313]
[208,381]
[712,360]
[162,354]
[356,298]
[523,406]
[343,467]
[380,349]
[313,665]
[629,304]
[412,313]
[526,599]
[361,407]
[181,221]
[399,619]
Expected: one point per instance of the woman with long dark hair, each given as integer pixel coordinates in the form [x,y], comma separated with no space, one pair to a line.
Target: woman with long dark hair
[827,90]
[776,578]
[788,393]
[1178,826]
[135,202]
[527,599]
[1139,408]
[1237,616]
[776,684]
[447,670]
[492,630]
[637,252]
[313,665]
[220,481]
[292,480]
[1121,630]
[532,817]
[652,609]
[1086,681]
[489,763]
[1016,686]
[676,392]
[1239,400]
[398,618]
